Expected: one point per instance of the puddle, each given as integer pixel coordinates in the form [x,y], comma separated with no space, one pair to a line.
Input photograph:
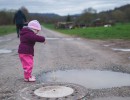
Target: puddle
[117,49]
[60,38]
[113,98]
[3,39]
[70,39]
[52,38]
[93,79]
[5,51]
[106,45]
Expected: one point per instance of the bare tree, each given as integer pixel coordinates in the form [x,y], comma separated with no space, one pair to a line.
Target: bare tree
[90,10]
[118,15]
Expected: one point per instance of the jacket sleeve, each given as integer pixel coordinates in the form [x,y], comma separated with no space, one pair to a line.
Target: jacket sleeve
[36,38]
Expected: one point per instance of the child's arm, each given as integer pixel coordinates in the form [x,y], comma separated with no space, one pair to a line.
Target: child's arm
[37,38]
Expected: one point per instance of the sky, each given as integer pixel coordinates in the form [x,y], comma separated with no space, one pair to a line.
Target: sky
[62,7]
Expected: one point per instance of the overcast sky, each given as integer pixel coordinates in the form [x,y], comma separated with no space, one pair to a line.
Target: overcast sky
[62,7]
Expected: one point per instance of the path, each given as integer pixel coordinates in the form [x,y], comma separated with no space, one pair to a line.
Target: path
[60,52]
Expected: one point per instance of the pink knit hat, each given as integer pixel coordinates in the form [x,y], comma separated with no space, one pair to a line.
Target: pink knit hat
[34,24]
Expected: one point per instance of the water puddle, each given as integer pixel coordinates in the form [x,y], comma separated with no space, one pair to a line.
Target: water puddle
[113,98]
[52,38]
[60,38]
[106,45]
[70,39]
[3,39]
[93,79]
[117,49]
[5,51]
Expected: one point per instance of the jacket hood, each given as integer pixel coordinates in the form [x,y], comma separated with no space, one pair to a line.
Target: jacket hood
[25,30]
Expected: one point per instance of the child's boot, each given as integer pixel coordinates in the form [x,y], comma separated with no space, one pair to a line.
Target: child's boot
[31,79]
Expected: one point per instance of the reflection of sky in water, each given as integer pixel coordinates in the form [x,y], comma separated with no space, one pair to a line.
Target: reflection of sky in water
[112,98]
[3,39]
[117,49]
[106,45]
[93,79]
[5,51]
[60,38]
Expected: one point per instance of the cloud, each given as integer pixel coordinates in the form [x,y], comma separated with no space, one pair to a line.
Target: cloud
[62,7]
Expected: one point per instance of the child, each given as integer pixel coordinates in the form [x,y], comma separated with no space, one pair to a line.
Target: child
[28,37]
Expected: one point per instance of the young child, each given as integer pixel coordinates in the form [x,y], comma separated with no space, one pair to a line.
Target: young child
[28,37]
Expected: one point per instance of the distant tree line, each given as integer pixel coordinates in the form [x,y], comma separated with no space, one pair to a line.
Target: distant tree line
[6,16]
[121,14]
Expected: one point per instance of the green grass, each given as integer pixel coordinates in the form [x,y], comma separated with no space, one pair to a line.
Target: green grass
[119,31]
[7,29]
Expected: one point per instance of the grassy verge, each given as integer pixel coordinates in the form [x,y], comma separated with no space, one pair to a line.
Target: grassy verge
[7,29]
[119,31]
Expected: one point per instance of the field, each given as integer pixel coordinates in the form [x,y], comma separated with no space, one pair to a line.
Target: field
[118,31]
[7,29]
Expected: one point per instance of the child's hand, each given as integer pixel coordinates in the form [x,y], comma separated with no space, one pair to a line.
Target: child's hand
[45,42]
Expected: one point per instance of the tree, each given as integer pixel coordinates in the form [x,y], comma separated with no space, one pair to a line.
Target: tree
[6,17]
[90,10]
[127,14]
[68,19]
[118,15]
[87,16]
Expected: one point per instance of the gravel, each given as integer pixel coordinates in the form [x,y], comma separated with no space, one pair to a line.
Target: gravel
[62,54]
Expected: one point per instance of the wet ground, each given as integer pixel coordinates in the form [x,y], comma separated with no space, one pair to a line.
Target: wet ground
[65,53]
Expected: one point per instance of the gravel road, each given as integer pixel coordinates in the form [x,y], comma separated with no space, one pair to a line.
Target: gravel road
[62,52]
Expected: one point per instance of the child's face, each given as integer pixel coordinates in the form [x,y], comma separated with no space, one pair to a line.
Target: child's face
[36,31]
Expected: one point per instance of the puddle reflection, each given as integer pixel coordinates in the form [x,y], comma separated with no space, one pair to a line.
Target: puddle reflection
[5,51]
[3,40]
[60,38]
[117,49]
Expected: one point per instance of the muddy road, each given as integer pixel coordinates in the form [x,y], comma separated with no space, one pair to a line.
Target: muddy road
[62,52]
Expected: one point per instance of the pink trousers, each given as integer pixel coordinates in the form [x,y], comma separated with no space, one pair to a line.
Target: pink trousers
[27,63]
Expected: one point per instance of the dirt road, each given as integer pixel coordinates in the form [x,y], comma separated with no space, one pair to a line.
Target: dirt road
[61,52]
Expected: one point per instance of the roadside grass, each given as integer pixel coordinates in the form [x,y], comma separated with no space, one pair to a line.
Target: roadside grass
[7,29]
[118,31]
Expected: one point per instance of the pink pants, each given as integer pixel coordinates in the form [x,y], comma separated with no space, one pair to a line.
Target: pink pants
[27,63]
